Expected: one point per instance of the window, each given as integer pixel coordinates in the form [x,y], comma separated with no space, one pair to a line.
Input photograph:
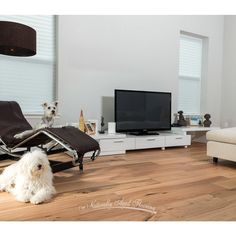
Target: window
[190,73]
[31,80]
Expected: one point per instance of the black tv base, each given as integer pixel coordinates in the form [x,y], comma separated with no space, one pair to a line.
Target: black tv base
[144,133]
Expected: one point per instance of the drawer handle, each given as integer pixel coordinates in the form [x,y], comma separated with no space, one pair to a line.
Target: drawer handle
[179,138]
[118,141]
[151,139]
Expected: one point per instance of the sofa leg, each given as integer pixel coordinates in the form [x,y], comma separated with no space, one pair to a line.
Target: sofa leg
[215,160]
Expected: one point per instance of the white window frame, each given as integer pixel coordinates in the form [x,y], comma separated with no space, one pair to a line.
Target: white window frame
[201,79]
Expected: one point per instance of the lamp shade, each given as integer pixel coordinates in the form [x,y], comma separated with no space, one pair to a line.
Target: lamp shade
[17,39]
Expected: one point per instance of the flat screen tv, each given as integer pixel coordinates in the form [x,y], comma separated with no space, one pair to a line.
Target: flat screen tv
[142,112]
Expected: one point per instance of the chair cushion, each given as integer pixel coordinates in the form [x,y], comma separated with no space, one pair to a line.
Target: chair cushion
[12,121]
[227,135]
[75,138]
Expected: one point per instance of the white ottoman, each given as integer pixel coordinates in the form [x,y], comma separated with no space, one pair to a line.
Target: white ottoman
[222,144]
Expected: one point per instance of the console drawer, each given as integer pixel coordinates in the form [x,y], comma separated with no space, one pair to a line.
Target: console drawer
[178,140]
[150,142]
[112,144]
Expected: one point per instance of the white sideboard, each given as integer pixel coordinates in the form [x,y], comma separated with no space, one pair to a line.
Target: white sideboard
[120,143]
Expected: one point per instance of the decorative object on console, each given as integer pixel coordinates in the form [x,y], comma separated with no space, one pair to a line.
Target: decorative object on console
[81,121]
[194,120]
[181,121]
[111,127]
[175,118]
[200,122]
[102,125]
[207,122]
[17,39]
[188,120]
[175,123]
[91,127]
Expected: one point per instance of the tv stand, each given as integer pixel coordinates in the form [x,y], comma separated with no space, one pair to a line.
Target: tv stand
[142,133]
[162,140]
[120,143]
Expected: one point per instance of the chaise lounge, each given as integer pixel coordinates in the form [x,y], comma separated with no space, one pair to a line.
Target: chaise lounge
[222,144]
[66,139]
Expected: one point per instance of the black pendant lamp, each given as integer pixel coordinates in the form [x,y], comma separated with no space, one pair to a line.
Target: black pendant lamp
[17,39]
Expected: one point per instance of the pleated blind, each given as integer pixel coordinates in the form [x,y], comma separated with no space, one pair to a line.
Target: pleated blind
[190,70]
[31,80]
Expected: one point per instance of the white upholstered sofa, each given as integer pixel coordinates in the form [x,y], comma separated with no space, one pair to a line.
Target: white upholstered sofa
[221,144]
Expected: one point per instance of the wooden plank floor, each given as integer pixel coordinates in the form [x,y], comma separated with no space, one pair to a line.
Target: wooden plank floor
[175,184]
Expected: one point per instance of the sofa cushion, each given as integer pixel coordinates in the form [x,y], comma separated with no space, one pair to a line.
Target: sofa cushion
[227,135]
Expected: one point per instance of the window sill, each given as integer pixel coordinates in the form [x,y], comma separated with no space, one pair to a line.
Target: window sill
[38,116]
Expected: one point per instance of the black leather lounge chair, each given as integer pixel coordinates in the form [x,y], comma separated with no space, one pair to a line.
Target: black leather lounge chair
[66,139]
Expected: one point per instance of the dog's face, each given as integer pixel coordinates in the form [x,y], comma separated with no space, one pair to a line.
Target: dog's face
[34,164]
[38,166]
[50,109]
[207,116]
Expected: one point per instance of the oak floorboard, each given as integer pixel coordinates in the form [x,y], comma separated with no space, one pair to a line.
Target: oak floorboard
[146,185]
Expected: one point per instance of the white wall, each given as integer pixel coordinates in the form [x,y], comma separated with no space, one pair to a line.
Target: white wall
[229,73]
[100,53]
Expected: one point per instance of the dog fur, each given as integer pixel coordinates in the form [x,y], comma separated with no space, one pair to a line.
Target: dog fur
[50,111]
[30,179]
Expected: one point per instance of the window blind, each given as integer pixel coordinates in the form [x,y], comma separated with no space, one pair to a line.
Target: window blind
[190,70]
[31,80]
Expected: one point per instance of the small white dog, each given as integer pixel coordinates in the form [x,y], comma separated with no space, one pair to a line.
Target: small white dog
[30,179]
[50,111]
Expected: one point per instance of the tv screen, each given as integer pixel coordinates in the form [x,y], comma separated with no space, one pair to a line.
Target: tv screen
[142,111]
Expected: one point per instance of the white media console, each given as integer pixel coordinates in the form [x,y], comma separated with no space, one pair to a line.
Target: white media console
[120,143]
